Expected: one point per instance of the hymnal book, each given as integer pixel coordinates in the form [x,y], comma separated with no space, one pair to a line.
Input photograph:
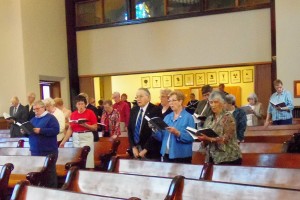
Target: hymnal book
[27,127]
[79,121]
[7,116]
[205,131]
[198,118]
[247,109]
[278,104]
[157,122]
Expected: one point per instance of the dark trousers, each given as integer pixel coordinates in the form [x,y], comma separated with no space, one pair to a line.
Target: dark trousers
[283,122]
[50,175]
[96,136]
[187,160]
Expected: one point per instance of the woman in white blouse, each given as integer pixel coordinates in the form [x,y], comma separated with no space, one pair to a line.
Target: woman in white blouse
[255,115]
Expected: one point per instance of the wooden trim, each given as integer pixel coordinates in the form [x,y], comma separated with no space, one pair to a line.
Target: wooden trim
[296,94]
[170,17]
[273,43]
[72,50]
[177,69]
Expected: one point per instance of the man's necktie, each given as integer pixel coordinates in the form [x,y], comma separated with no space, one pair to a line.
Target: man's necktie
[15,110]
[138,127]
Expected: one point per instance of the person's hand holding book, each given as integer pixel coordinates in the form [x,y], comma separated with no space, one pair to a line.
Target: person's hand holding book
[173,130]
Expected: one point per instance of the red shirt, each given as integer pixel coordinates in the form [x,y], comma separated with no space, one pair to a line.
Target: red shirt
[124,110]
[87,114]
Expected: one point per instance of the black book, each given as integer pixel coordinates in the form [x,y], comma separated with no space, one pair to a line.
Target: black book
[278,104]
[8,117]
[198,118]
[27,127]
[157,122]
[205,131]
[79,121]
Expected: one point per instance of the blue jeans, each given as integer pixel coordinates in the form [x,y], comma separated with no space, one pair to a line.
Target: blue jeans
[283,122]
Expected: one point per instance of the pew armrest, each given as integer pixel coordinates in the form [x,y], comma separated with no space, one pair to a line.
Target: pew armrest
[74,164]
[175,188]
[69,179]
[18,190]
[35,178]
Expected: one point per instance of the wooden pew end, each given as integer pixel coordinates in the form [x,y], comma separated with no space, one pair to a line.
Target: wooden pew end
[18,190]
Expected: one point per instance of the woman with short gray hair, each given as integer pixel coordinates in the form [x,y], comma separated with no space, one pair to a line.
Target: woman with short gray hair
[223,149]
[255,114]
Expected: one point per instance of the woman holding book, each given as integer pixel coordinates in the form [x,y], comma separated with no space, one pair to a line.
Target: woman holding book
[82,122]
[254,111]
[223,149]
[176,141]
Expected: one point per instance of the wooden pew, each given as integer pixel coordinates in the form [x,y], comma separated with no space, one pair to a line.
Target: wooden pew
[67,157]
[24,191]
[151,168]
[205,190]
[283,160]
[260,176]
[18,144]
[121,185]
[31,168]
[5,171]
[273,134]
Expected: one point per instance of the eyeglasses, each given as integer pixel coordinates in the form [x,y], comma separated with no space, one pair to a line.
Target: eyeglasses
[172,100]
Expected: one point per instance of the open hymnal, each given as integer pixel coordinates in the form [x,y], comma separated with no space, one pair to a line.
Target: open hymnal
[7,116]
[27,127]
[157,123]
[198,118]
[79,121]
[205,131]
[278,104]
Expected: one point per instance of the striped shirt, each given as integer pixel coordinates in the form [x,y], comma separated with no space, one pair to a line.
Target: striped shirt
[285,97]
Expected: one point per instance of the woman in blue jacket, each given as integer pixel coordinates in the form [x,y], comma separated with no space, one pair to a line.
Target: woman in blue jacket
[176,141]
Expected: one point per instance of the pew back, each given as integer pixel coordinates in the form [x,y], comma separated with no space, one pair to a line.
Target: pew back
[120,185]
[150,168]
[5,171]
[261,176]
[214,190]
[27,192]
[263,147]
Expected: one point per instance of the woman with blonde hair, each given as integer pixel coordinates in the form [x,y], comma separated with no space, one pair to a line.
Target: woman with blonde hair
[255,115]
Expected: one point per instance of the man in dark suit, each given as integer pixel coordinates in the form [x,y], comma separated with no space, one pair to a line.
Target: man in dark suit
[142,143]
[95,110]
[29,106]
[19,114]
[203,107]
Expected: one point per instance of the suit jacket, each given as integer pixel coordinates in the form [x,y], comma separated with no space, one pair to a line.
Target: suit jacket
[31,114]
[146,140]
[95,110]
[200,107]
[21,116]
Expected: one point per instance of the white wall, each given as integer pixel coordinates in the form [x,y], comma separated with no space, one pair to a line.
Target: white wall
[45,44]
[231,38]
[11,54]
[288,42]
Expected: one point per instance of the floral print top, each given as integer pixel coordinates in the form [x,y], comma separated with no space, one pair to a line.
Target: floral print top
[225,127]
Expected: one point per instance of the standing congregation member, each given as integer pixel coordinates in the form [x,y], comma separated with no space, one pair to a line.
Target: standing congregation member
[82,132]
[164,103]
[255,117]
[29,106]
[111,119]
[203,107]
[223,149]
[192,104]
[59,115]
[124,110]
[124,98]
[280,115]
[239,116]
[139,133]
[59,103]
[43,141]
[222,89]
[20,114]
[176,141]
[95,110]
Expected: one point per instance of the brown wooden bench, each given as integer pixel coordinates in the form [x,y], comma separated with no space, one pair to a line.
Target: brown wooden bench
[31,168]
[273,134]
[24,191]
[151,168]
[5,171]
[260,176]
[18,144]
[256,147]
[67,157]
[283,160]
[121,185]
[207,190]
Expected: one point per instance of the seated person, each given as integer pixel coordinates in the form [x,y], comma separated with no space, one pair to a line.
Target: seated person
[222,150]
[176,141]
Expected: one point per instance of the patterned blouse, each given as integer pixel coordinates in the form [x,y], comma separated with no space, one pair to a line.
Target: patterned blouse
[112,122]
[225,127]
